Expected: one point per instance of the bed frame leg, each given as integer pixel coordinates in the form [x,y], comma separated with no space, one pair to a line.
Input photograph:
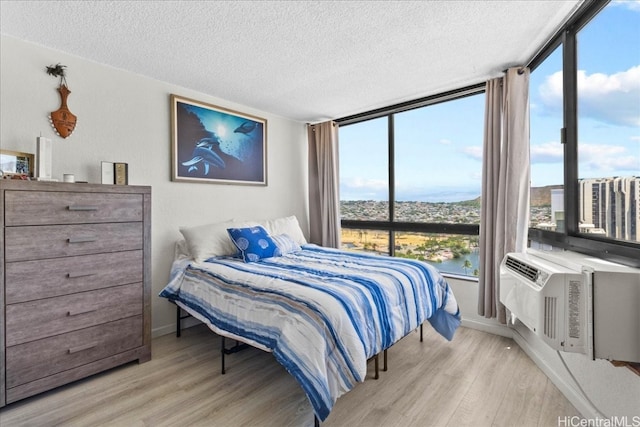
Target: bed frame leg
[384,361]
[222,353]
[178,321]
[224,350]
[421,332]
[377,369]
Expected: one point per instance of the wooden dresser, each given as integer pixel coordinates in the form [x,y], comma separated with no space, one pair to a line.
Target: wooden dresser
[74,282]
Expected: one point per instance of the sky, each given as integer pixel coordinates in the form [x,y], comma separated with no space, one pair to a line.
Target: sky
[439,148]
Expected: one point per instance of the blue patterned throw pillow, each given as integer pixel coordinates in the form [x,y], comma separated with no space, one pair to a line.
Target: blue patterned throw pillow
[254,243]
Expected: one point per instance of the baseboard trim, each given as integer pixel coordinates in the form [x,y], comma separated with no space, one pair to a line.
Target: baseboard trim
[163,330]
[171,328]
[491,328]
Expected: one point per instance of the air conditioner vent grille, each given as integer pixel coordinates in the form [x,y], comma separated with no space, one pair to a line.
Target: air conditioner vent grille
[550,317]
[521,268]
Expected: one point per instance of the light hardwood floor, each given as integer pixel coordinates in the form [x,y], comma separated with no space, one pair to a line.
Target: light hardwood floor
[477,380]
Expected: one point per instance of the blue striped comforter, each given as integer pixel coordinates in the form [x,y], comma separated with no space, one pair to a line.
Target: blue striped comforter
[322,312]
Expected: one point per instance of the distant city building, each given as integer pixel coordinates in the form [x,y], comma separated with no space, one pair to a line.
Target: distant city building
[557,208]
[608,206]
[612,205]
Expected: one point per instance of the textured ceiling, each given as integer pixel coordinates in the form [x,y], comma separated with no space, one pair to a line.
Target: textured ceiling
[304,60]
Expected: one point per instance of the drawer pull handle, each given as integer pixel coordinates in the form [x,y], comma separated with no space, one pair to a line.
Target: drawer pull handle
[76,275]
[82,208]
[82,347]
[81,239]
[76,313]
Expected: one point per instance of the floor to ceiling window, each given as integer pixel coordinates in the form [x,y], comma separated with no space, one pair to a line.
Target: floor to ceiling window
[585,134]
[410,173]
[410,182]
[364,170]
[608,123]
[546,149]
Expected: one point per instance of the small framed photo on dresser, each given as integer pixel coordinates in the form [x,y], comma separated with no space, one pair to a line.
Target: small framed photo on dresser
[16,163]
[115,173]
[121,173]
[106,169]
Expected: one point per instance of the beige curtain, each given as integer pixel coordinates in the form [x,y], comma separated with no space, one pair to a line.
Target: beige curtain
[505,183]
[324,199]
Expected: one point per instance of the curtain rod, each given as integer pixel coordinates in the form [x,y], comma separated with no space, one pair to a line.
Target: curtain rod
[333,123]
[520,69]
[416,103]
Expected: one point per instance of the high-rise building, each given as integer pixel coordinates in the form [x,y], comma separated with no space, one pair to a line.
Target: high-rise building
[612,205]
[557,208]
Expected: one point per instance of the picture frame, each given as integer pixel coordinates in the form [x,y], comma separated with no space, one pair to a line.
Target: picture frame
[17,163]
[211,144]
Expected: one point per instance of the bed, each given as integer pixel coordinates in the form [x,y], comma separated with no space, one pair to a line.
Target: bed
[322,312]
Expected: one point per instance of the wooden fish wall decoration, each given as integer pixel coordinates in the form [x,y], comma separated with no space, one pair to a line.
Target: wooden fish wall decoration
[62,120]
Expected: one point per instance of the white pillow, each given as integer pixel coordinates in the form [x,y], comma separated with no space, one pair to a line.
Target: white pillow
[285,244]
[181,250]
[208,240]
[286,225]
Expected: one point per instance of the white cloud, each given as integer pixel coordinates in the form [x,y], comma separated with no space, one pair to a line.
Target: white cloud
[445,141]
[629,4]
[363,189]
[474,152]
[612,158]
[607,98]
[613,98]
[476,176]
[592,157]
[551,91]
[549,152]
[595,151]
[362,183]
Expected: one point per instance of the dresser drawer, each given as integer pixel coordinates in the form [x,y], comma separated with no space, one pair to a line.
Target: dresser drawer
[60,207]
[41,358]
[30,280]
[34,320]
[54,241]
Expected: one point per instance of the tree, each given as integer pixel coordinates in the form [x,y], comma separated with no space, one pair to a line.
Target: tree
[467,265]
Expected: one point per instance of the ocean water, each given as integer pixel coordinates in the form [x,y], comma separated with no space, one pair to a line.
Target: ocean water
[455,265]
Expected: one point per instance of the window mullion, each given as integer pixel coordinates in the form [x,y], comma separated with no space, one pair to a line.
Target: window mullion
[392,182]
[570,84]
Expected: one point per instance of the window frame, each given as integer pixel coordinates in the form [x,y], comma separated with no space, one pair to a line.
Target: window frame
[623,252]
[390,225]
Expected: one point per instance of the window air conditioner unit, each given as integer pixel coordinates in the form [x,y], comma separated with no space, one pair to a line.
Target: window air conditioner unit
[575,302]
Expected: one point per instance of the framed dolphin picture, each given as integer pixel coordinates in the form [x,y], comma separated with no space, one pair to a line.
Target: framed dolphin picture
[211,144]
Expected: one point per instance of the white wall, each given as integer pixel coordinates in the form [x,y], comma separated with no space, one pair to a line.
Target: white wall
[466,293]
[126,117]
